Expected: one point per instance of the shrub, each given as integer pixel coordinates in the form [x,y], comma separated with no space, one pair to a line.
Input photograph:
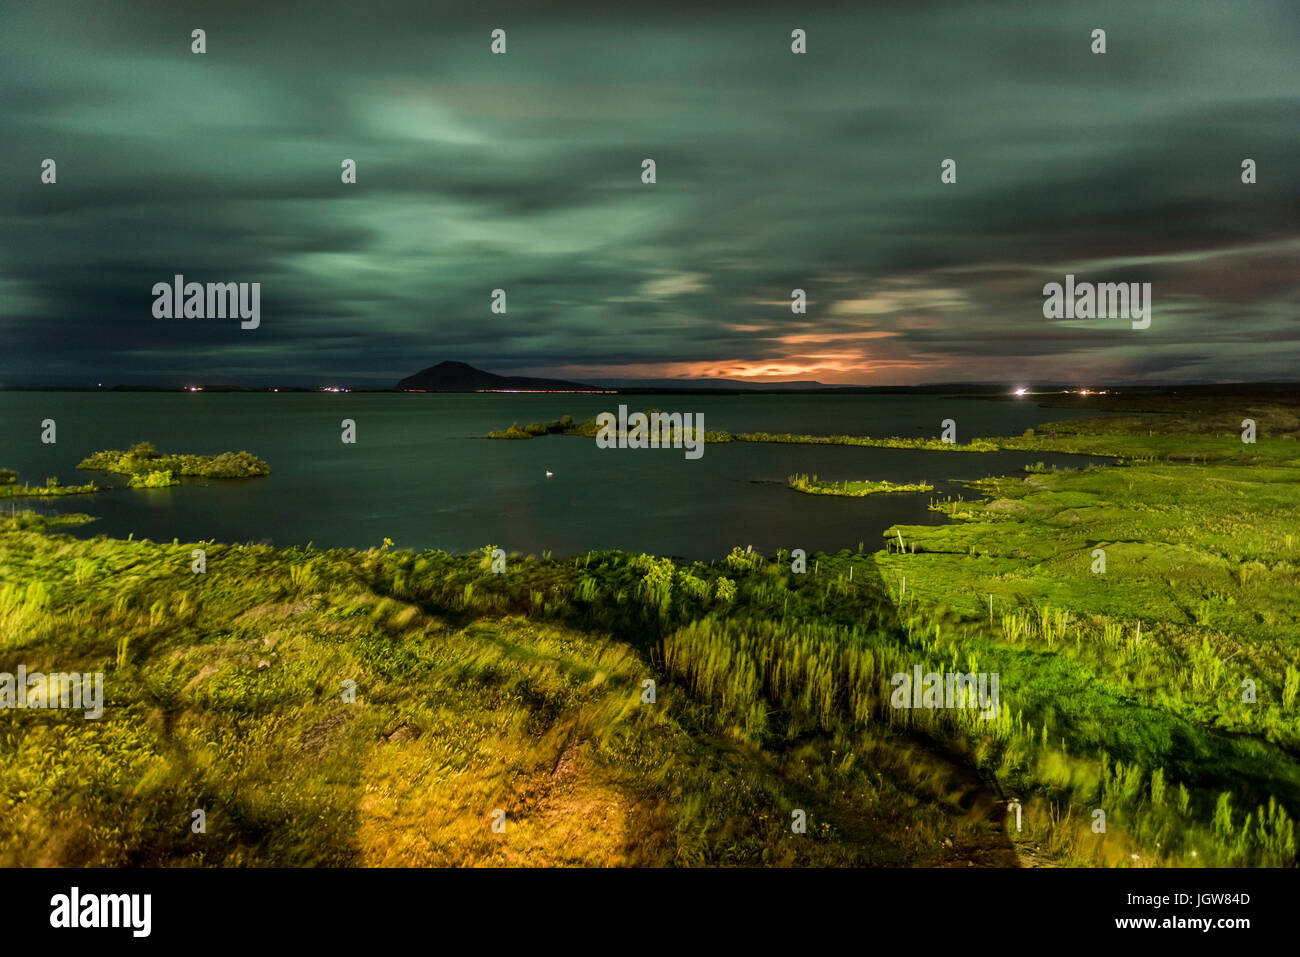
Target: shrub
[153,480]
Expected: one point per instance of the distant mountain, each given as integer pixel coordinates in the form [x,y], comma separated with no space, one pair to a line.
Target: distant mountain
[459,377]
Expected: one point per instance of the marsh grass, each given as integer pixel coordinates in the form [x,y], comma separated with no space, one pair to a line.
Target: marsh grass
[589,429]
[811,485]
[9,487]
[522,690]
[475,691]
[1197,604]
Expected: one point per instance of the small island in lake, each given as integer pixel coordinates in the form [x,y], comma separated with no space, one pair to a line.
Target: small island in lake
[9,487]
[149,468]
[814,486]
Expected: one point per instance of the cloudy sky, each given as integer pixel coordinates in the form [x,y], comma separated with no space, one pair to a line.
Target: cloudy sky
[522,171]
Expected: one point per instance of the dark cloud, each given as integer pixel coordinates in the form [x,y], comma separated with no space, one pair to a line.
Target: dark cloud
[774,172]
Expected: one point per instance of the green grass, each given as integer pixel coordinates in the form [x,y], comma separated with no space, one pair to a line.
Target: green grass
[1120,690]
[9,487]
[1196,430]
[475,691]
[589,429]
[1195,608]
[159,479]
[813,486]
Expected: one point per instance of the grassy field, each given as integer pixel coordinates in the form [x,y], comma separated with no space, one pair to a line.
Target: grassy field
[521,691]
[524,690]
[1147,619]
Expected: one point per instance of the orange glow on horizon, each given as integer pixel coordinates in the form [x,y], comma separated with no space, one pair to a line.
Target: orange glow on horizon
[833,367]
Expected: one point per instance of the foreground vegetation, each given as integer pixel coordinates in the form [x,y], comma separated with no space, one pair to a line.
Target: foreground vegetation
[1156,682]
[1150,614]
[149,468]
[522,691]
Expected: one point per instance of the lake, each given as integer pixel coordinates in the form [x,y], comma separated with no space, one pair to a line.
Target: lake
[423,475]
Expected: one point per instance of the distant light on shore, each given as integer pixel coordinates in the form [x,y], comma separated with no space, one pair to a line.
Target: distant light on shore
[1022,392]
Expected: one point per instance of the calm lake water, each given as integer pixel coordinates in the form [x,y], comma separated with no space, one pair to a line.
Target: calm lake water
[422,474]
